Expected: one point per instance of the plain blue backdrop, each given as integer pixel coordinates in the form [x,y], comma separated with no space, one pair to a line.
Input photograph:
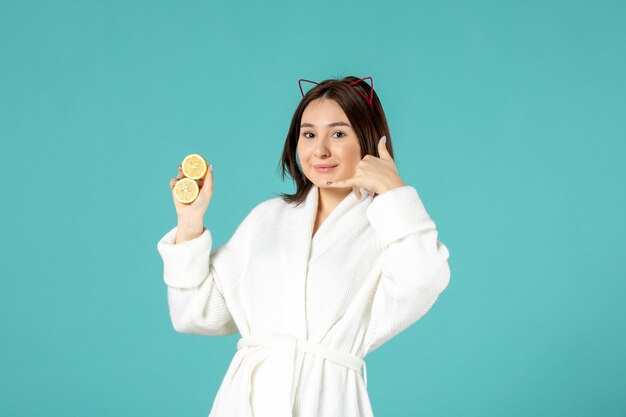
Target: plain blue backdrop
[506,116]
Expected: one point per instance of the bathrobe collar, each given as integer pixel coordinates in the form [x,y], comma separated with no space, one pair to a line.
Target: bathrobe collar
[303,250]
[341,220]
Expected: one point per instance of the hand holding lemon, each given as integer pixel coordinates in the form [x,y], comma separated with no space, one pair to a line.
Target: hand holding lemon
[191,191]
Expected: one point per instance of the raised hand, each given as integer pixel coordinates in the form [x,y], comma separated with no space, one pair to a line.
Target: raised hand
[198,207]
[376,175]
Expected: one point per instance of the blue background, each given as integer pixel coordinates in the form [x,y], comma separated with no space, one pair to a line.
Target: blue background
[507,117]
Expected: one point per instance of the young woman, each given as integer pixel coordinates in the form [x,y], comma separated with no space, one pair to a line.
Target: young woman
[312,281]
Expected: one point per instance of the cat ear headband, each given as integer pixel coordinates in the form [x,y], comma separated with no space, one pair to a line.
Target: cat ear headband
[352,84]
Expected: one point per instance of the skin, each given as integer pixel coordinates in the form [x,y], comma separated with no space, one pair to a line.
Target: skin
[318,143]
[191,216]
[322,143]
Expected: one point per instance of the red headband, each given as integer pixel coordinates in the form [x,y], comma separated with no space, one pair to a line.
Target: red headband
[369,100]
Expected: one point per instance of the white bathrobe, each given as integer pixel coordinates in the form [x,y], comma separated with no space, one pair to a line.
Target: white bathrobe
[307,309]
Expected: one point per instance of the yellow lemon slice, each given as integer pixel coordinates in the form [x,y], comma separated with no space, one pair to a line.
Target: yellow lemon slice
[186,190]
[194,166]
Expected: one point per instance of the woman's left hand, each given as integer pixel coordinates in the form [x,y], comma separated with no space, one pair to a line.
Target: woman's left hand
[376,175]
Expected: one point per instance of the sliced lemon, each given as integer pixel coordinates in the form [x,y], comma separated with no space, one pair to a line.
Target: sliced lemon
[186,190]
[194,166]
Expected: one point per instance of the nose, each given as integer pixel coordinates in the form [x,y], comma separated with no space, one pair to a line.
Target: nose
[322,149]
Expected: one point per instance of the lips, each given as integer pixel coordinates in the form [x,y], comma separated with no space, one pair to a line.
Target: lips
[324,167]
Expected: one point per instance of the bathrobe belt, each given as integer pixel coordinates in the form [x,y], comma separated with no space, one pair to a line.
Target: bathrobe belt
[282,359]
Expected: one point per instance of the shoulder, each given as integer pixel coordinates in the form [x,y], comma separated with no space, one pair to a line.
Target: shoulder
[274,215]
[268,209]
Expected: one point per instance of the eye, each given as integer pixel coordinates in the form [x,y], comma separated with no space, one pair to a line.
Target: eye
[341,134]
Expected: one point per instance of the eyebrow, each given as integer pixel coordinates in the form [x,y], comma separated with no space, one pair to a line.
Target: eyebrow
[334,124]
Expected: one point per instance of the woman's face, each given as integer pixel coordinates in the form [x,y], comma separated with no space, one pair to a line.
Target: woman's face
[327,139]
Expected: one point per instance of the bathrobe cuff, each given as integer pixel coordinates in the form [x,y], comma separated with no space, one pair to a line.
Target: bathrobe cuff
[396,213]
[185,264]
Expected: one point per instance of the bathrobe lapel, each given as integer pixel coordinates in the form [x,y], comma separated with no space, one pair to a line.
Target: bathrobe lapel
[341,223]
[302,249]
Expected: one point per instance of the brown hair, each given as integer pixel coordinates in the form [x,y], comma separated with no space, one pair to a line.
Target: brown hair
[368,122]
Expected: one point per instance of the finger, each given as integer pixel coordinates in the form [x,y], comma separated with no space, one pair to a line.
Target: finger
[343,183]
[382,149]
[207,181]
[357,191]
[209,172]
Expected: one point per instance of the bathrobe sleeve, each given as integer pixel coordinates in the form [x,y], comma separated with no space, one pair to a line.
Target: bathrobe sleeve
[195,276]
[415,266]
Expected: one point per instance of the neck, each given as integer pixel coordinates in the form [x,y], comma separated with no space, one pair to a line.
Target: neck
[329,198]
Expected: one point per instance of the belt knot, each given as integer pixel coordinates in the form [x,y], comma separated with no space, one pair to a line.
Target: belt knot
[282,357]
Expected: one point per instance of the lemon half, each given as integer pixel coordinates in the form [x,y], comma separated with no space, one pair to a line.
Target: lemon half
[186,190]
[194,166]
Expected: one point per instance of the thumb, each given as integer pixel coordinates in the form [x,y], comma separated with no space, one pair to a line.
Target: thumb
[382,149]
[207,186]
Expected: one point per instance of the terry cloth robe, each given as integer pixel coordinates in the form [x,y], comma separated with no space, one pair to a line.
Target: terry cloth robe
[308,309]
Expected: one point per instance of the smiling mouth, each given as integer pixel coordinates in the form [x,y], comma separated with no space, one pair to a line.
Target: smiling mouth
[324,169]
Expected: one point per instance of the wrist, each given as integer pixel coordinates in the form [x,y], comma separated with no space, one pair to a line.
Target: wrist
[189,228]
[391,186]
[190,221]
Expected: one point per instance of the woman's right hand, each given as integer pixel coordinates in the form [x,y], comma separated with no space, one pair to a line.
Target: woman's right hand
[189,213]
